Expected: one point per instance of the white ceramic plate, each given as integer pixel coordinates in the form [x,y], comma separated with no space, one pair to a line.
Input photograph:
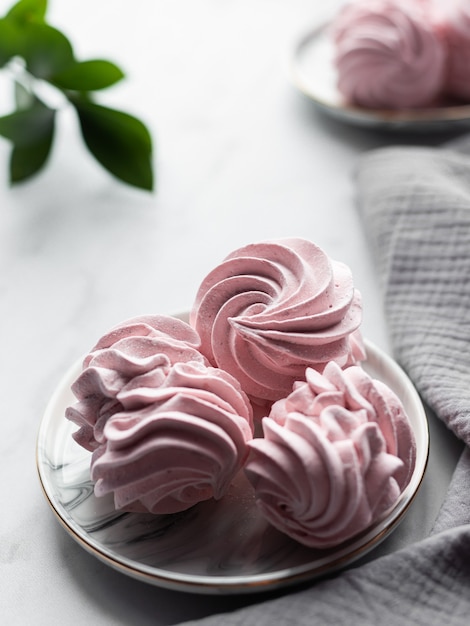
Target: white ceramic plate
[312,71]
[215,547]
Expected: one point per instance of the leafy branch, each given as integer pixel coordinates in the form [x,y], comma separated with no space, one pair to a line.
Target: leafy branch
[38,57]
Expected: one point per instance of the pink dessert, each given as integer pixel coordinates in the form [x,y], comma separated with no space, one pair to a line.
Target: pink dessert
[456,26]
[185,444]
[274,308]
[166,408]
[336,454]
[166,429]
[389,54]
[137,353]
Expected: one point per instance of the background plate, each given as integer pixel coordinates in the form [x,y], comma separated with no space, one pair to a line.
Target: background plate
[312,71]
[215,547]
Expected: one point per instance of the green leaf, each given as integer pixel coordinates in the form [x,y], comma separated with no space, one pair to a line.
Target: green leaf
[119,141]
[24,98]
[25,161]
[28,11]
[46,50]
[10,40]
[88,76]
[22,127]
[31,131]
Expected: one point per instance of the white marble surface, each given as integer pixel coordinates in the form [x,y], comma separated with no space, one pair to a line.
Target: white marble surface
[240,156]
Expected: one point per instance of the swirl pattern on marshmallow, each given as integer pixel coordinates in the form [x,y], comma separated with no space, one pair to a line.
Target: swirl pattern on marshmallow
[388,54]
[271,309]
[184,447]
[456,27]
[135,355]
[336,454]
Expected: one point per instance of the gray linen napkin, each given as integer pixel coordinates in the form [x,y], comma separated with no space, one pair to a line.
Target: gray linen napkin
[415,205]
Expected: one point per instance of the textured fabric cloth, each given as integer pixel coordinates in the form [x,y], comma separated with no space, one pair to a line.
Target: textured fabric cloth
[415,206]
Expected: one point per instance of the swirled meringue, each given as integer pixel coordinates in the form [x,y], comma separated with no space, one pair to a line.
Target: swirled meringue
[135,355]
[336,454]
[388,54]
[456,28]
[271,309]
[184,447]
